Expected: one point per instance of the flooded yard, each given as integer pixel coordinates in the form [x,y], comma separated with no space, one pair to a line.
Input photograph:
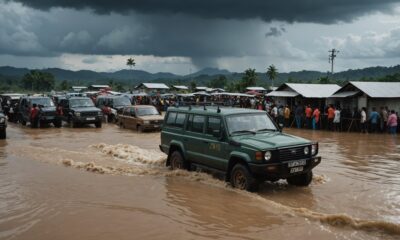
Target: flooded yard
[112,183]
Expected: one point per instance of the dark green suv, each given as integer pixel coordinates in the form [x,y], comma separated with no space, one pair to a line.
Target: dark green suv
[244,145]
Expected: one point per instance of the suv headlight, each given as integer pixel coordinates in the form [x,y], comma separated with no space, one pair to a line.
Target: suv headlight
[267,155]
[2,120]
[314,149]
[146,122]
[99,113]
[306,150]
[78,114]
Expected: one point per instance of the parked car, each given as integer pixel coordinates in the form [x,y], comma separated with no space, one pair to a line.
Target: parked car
[47,110]
[112,105]
[3,126]
[9,104]
[244,145]
[77,111]
[141,118]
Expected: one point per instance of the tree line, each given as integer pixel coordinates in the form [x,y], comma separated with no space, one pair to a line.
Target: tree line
[39,81]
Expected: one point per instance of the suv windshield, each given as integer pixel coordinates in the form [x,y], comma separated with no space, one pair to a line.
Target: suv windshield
[45,102]
[146,111]
[81,103]
[249,123]
[122,101]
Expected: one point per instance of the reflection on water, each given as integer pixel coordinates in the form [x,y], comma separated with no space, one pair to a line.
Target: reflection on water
[357,179]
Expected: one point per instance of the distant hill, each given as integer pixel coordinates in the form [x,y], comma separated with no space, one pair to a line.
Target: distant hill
[201,77]
[209,72]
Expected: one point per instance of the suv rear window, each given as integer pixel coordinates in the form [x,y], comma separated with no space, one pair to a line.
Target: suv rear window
[176,119]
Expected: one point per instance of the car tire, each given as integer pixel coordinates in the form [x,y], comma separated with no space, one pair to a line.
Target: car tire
[3,134]
[303,179]
[121,125]
[98,124]
[140,128]
[23,122]
[176,161]
[242,179]
[57,123]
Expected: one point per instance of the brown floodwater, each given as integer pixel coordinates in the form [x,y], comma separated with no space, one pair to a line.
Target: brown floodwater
[111,183]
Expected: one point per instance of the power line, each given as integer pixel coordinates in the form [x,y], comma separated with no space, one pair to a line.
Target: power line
[332,57]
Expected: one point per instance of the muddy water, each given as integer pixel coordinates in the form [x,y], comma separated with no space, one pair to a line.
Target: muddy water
[111,183]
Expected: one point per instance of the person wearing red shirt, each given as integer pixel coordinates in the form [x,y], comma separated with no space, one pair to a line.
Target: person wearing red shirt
[309,113]
[331,116]
[34,116]
[315,119]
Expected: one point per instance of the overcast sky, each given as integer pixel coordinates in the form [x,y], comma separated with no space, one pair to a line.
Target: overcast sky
[187,35]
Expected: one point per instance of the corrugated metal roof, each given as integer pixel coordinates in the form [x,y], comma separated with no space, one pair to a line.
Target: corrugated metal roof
[154,85]
[309,90]
[282,94]
[180,87]
[344,94]
[379,89]
[201,88]
[100,86]
[256,89]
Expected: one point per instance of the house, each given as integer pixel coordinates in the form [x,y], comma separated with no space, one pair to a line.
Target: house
[355,95]
[78,88]
[303,93]
[152,88]
[179,88]
[256,89]
[99,87]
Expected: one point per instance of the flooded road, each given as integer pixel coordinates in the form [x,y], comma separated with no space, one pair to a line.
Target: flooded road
[111,183]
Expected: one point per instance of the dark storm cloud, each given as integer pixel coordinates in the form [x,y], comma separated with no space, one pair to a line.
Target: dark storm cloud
[317,11]
[275,32]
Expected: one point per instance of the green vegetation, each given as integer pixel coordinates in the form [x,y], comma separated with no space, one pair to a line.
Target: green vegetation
[272,72]
[25,80]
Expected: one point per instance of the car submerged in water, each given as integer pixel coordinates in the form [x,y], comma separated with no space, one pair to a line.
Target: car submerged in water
[141,118]
[77,111]
[47,111]
[244,145]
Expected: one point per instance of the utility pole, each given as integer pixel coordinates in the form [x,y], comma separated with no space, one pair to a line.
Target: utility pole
[332,57]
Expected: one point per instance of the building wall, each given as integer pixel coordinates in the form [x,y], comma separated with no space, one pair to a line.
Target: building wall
[392,103]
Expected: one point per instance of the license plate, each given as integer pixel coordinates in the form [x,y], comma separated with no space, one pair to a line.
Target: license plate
[90,119]
[297,163]
[296,169]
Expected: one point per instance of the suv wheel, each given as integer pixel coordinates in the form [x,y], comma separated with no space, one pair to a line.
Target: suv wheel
[140,128]
[98,124]
[301,180]
[177,162]
[57,123]
[242,179]
[23,122]
[3,134]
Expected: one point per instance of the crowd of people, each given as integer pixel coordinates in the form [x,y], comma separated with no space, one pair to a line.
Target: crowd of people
[332,118]
[307,116]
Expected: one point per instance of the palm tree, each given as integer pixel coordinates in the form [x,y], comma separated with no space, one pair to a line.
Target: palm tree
[271,73]
[131,62]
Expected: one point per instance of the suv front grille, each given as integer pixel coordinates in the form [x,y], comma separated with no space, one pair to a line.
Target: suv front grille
[292,153]
[48,114]
[156,122]
[88,114]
